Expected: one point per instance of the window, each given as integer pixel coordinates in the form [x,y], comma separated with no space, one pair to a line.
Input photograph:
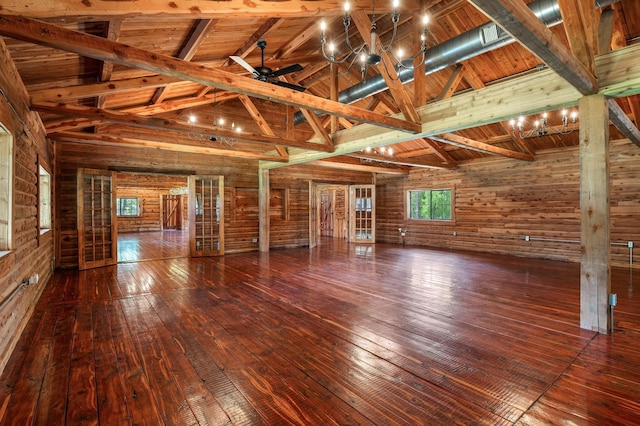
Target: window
[6,188]
[44,182]
[128,207]
[430,204]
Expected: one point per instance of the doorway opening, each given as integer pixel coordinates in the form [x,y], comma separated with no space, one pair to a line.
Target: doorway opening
[151,216]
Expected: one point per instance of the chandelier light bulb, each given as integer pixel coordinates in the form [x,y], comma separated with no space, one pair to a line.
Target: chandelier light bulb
[390,151]
[564,112]
[323,26]
[400,53]
[368,149]
[396,4]
[347,6]
[425,20]
[221,121]
[192,119]
[332,47]
[574,115]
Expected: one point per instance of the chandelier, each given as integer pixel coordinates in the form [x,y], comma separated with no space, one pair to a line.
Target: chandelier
[542,128]
[218,123]
[370,51]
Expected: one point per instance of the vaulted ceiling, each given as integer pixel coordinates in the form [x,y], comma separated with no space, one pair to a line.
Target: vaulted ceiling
[158,75]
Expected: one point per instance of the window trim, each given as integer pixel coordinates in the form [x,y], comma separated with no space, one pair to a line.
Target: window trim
[128,216]
[6,137]
[407,209]
[44,229]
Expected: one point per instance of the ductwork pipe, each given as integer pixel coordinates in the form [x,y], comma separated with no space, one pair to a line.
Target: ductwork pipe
[457,49]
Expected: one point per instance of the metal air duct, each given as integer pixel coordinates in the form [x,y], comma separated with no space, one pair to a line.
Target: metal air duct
[457,49]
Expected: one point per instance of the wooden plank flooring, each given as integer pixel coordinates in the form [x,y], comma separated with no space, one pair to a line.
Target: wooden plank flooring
[341,334]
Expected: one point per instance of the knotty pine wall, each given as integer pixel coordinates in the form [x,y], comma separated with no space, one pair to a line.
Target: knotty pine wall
[239,234]
[149,188]
[31,253]
[498,202]
[295,180]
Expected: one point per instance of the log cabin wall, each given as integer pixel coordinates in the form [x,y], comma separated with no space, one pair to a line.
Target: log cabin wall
[31,250]
[149,189]
[239,233]
[292,228]
[499,202]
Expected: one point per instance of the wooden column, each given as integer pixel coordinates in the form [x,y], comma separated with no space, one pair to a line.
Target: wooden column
[595,278]
[264,192]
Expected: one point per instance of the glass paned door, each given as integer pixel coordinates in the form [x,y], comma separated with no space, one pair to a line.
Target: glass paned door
[362,213]
[206,215]
[97,232]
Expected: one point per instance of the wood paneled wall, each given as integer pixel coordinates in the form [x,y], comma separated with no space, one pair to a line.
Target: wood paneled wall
[149,189]
[294,232]
[30,252]
[239,234]
[499,202]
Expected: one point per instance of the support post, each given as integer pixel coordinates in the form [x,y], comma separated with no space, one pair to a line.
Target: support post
[263,209]
[595,261]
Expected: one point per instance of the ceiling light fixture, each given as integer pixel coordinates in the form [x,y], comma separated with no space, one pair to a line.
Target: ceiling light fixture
[370,52]
[541,127]
[217,123]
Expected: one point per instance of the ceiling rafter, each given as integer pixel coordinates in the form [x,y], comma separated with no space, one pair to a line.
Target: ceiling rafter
[258,118]
[360,167]
[519,21]
[176,146]
[462,142]
[87,45]
[387,70]
[199,32]
[112,32]
[182,8]
[130,119]
[399,162]
[250,44]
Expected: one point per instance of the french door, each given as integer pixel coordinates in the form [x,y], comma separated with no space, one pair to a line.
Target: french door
[96,216]
[362,214]
[206,215]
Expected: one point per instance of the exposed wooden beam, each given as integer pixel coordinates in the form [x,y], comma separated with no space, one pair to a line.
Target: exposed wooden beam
[620,119]
[95,47]
[167,124]
[399,161]
[461,141]
[579,23]
[199,33]
[605,30]
[618,71]
[194,147]
[258,118]
[519,21]
[387,70]
[112,32]
[100,89]
[318,128]
[101,10]
[358,167]
[452,83]
[250,44]
[440,152]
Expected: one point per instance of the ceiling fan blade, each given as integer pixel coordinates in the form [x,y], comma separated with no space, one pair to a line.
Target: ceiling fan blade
[286,70]
[288,85]
[245,65]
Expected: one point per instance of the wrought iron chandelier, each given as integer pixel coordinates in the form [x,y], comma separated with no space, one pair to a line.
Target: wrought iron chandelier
[542,128]
[370,51]
[218,123]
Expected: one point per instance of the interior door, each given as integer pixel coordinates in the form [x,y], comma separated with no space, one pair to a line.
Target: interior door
[97,231]
[171,211]
[326,212]
[362,213]
[314,225]
[206,215]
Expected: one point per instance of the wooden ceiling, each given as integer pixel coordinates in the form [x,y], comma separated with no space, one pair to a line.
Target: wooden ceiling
[157,75]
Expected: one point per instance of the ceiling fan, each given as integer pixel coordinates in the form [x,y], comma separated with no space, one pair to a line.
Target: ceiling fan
[266,74]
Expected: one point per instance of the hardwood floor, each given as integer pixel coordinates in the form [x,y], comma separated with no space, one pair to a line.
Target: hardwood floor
[341,334]
[167,244]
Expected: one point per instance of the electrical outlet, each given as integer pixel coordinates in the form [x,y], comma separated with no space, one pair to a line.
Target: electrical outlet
[630,244]
[526,238]
[33,279]
[455,233]
[254,240]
